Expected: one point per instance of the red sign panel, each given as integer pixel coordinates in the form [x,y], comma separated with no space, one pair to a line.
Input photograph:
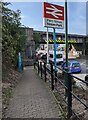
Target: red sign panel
[53,11]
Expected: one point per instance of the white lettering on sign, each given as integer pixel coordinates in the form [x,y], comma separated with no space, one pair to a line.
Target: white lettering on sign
[53,23]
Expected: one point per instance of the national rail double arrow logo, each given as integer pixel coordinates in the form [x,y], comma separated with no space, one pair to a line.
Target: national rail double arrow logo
[54,11]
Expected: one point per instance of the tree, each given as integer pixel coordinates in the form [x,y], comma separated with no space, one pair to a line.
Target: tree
[36,38]
[13,39]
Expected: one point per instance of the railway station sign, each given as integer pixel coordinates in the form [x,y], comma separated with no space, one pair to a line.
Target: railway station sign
[53,15]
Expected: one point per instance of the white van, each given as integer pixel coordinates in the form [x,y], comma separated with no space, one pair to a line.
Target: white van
[59,57]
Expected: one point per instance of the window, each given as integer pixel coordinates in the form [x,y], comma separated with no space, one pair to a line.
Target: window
[75,64]
[79,40]
[59,56]
[51,55]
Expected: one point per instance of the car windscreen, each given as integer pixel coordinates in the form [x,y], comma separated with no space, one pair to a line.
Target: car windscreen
[59,56]
[75,65]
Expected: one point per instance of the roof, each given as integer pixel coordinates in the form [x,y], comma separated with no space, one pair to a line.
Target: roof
[73,61]
[74,35]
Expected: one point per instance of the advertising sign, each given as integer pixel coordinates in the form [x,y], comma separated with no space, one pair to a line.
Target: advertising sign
[53,15]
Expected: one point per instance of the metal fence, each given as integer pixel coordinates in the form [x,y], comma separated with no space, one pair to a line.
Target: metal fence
[71,98]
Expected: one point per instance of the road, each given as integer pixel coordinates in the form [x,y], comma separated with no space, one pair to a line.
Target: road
[84,72]
[84,66]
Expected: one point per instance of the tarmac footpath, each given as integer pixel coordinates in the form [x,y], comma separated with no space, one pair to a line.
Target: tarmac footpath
[32,99]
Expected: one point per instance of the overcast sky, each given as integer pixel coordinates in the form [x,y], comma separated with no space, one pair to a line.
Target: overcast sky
[31,16]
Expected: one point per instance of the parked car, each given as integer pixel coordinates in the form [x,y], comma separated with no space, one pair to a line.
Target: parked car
[73,66]
[39,54]
[59,57]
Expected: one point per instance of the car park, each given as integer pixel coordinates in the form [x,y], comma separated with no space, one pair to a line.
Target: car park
[73,66]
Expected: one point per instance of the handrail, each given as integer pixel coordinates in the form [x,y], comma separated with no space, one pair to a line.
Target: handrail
[79,100]
[79,79]
[67,87]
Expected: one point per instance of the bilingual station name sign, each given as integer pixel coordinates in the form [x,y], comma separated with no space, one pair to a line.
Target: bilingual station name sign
[53,15]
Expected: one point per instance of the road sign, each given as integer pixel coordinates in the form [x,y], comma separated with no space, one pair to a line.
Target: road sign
[53,15]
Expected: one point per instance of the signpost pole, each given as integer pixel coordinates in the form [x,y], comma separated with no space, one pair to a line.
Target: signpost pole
[47,44]
[47,47]
[66,33]
[54,37]
[66,43]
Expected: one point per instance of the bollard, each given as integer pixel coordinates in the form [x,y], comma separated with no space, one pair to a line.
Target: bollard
[52,77]
[69,95]
[19,62]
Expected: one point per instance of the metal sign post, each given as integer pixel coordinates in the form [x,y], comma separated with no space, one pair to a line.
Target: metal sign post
[54,37]
[53,17]
[47,48]
[66,43]
[66,33]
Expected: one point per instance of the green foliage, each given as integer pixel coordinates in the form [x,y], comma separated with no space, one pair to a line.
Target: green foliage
[13,38]
[36,38]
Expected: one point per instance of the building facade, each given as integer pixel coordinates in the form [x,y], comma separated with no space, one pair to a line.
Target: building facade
[78,41]
[30,44]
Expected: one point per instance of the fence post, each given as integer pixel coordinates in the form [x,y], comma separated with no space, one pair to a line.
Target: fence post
[55,76]
[41,69]
[69,95]
[52,77]
[45,70]
[38,67]
[66,79]
[86,79]
[34,65]
[34,61]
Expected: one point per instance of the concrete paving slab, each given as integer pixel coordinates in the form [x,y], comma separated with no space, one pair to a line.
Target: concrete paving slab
[32,99]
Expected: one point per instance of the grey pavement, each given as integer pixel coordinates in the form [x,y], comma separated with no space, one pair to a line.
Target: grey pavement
[32,99]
